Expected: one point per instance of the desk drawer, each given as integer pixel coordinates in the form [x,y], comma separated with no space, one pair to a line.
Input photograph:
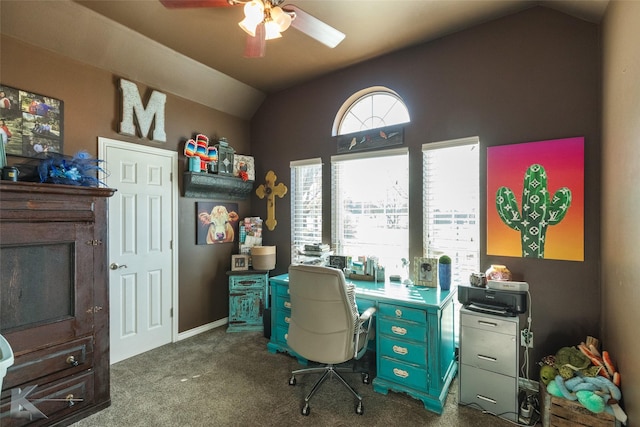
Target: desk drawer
[405,330]
[492,323]
[283,303]
[242,282]
[283,318]
[405,351]
[489,350]
[403,373]
[403,313]
[282,290]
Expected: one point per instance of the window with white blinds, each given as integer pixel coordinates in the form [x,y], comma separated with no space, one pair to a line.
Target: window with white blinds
[451,204]
[306,203]
[370,206]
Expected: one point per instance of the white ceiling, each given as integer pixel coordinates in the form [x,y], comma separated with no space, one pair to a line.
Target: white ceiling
[205,45]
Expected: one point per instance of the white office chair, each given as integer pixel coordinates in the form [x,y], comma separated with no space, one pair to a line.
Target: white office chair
[325,326]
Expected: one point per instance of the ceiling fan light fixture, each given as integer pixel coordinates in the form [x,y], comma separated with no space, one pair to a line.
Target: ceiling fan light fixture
[253,15]
[271,29]
[281,18]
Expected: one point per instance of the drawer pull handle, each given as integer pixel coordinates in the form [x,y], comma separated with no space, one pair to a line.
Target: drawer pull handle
[486,399]
[72,361]
[287,304]
[286,336]
[400,350]
[70,399]
[400,373]
[398,312]
[287,319]
[487,358]
[398,330]
[492,324]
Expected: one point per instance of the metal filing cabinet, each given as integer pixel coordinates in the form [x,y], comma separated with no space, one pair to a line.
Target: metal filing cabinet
[489,363]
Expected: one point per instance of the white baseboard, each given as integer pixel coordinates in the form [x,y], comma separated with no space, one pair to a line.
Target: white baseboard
[204,328]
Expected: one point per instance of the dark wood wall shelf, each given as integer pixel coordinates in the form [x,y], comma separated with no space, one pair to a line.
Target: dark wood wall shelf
[211,186]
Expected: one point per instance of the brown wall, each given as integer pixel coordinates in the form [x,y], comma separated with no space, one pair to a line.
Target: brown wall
[531,76]
[620,201]
[92,108]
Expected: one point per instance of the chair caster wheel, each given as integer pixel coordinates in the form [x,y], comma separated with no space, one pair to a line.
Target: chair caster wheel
[366,379]
[359,409]
[305,410]
[292,381]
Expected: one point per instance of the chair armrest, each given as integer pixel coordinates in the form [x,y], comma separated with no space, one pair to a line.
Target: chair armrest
[366,315]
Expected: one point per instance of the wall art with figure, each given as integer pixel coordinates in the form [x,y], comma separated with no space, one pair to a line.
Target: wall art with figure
[31,125]
[216,222]
[535,199]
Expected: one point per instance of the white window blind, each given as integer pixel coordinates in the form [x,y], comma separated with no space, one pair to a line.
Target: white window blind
[451,204]
[370,207]
[306,203]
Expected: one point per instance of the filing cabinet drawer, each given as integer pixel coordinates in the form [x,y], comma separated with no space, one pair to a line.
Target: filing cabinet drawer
[403,374]
[405,351]
[405,330]
[494,323]
[492,392]
[402,313]
[489,350]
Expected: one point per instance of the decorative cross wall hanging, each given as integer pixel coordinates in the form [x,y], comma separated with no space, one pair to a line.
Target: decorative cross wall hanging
[270,189]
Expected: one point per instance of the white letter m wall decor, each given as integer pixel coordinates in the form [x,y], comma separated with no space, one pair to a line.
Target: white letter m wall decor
[131,103]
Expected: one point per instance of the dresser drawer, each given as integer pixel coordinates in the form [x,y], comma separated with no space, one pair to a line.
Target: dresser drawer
[403,313]
[492,392]
[494,323]
[54,400]
[242,282]
[64,359]
[404,351]
[489,350]
[404,374]
[406,330]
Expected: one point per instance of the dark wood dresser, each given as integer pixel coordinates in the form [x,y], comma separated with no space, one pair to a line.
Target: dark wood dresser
[54,301]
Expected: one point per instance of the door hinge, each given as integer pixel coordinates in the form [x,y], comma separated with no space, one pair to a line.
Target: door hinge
[93,242]
[170,245]
[171,312]
[170,176]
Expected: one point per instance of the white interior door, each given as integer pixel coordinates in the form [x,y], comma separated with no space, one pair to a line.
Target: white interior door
[142,262]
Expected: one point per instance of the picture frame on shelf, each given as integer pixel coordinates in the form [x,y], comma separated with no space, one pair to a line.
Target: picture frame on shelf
[425,272]
[244,163]
[239,262]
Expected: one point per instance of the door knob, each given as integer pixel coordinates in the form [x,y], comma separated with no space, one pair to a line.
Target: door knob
[115,266]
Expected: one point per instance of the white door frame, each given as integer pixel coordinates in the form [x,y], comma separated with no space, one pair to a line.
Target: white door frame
[103,143]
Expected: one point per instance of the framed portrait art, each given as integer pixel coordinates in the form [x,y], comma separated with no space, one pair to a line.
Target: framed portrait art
[425,272]
[239,262]
[31,124]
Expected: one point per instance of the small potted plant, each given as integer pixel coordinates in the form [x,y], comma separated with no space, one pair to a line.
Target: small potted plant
[444,272]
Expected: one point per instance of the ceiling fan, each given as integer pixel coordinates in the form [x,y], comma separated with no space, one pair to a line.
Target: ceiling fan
[265,20]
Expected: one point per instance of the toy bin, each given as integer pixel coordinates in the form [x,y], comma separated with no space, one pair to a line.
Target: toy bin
[6,358]
[559,412]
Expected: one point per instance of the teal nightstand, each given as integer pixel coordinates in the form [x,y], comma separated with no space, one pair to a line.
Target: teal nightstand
[247,300]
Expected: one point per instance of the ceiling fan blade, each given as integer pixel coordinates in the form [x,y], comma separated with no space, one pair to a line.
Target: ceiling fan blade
[256,47]
[313,27]
[184,4]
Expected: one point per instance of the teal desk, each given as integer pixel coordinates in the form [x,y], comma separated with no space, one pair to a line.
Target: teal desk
[415,348]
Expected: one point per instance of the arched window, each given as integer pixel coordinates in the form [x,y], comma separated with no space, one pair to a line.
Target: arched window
[371,108]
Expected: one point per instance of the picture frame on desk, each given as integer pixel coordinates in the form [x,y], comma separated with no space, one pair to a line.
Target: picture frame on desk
[239,262]
[425,272]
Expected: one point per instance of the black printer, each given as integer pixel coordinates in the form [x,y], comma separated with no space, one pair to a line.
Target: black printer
[493,301]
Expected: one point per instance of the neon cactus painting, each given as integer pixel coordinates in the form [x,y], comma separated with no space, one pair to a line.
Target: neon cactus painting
[539,210]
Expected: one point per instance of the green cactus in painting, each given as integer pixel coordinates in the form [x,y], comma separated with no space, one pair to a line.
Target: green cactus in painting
[538,210]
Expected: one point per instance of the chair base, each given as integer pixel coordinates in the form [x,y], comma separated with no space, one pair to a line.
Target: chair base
[328,371]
